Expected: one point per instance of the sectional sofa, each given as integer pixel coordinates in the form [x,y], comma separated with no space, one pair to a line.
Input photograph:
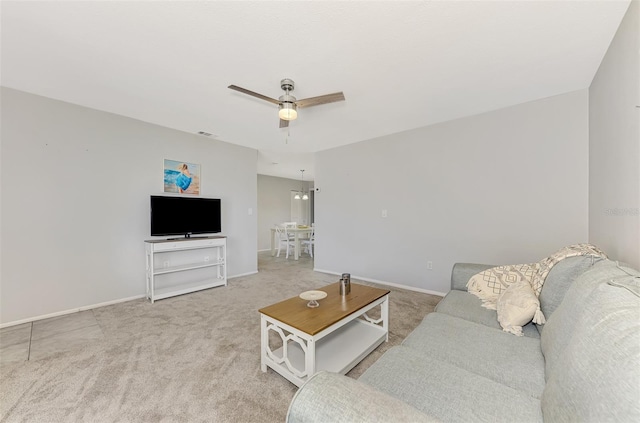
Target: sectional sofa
[459,365]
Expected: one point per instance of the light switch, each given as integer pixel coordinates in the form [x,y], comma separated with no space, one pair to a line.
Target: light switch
[250,211]
[384,213]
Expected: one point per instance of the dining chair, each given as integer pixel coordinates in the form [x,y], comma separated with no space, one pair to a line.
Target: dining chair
[290,225]
[283,238]
[309,243]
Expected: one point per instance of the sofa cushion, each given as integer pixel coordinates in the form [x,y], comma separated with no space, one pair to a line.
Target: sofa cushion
[513,361]
[560,278]
[469,307]
[561,324]
[548,263]
[447,392]
[329,397]
[596,376]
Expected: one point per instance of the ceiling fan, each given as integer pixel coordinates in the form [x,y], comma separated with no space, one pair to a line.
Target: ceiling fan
[288,104]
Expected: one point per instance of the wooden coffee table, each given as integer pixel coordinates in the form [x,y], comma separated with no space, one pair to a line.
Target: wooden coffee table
[335,336]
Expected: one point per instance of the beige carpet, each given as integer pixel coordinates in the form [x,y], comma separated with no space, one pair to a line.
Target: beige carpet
[185,359]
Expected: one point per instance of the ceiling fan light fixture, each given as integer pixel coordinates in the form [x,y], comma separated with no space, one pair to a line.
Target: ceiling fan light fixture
[288,111]
[288,104]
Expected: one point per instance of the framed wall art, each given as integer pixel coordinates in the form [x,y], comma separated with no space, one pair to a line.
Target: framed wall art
[181,177]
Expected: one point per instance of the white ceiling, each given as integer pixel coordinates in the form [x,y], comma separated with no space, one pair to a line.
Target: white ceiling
[401,65]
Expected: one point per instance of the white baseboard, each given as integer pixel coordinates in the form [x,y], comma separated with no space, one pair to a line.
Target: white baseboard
[136,297]
[92,306]
[395,285]
[70,311]
[242,274]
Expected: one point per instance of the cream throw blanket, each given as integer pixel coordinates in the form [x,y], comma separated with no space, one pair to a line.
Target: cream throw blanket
[488,285]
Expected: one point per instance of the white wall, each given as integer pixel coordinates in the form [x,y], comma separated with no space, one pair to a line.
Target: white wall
[75,202]
[508,186]
[614,145]
[274,205]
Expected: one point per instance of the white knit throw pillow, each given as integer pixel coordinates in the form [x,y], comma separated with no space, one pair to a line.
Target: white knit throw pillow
[489,284]
[517,306]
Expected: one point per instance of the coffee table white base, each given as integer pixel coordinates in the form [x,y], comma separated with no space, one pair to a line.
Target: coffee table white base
[338,349]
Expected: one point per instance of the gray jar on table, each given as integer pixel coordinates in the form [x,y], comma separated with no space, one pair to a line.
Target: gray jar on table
[345,284]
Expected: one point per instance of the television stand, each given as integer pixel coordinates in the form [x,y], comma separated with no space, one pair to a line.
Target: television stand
[184,265]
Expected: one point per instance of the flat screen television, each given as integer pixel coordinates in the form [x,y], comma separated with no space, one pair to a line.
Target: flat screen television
[184,215]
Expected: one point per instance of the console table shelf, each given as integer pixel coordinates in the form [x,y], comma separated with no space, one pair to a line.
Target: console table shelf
[187,288]
[184,267]
[192,255]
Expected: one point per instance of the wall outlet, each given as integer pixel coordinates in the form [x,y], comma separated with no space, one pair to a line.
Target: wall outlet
[165,264]
[207,258]
[429,265]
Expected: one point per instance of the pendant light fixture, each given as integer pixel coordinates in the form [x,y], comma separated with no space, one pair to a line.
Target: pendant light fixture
[304,194]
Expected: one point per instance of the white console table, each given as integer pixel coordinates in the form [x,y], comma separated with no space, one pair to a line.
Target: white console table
[176,267]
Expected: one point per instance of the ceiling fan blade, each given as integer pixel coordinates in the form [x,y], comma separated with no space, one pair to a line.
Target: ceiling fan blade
[284,123]
[254,94]
[322,99]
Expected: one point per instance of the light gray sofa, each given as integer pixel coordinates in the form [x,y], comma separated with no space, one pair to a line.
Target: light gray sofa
[583,365]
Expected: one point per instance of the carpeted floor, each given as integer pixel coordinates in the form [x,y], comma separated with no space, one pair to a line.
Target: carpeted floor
[185,359]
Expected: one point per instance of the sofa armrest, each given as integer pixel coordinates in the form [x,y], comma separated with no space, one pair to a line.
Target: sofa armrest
[330,397]
[462,272]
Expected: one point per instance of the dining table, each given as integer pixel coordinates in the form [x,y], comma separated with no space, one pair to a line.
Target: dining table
[300,232]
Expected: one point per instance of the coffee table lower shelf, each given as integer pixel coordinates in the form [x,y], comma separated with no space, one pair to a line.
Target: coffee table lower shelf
[341,350]
[337,349]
